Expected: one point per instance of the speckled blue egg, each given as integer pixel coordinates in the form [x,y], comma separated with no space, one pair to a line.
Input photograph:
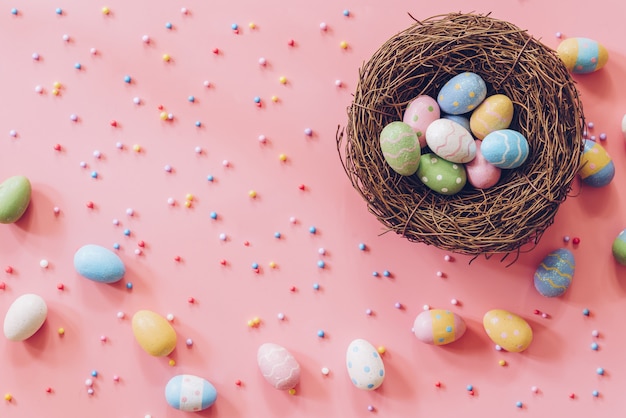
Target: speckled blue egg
[98,264]
[505,148]
[554,275]
[190,393]
[462,93]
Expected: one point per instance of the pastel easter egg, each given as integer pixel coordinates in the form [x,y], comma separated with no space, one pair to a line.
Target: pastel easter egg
[24,317]
[365,366]
[14,198]
[461,120]
[596,167]
[481,173]
[619,248]
[462,93]
[279,368]
[438,327]
[554,275]
[420,113]
[190,393]
[582,55]
[153,333]
[441,176]
[450,141]
[508,330]
[493,114]
[98,264]
[505,148]
[624,126]
[400,147]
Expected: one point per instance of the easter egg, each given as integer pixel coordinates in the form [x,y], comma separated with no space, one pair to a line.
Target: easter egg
[450,141]
[461,120]
[481,173]
[279,368]
[493,114]
[98,264]
[554,275]
[440,175]
[400,147]
[624,126]
[438,327]
[419,114]
[365,367]
[619,248]
[596,167]
[190,393]
[505,148]
[24,317]
[582,55]
[14,198]
[508,330]
[462,93]
[153,333]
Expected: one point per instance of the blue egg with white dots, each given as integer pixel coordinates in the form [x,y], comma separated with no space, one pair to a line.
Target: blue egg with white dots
[505,148]
[365,366]
[462,93]
[554,275]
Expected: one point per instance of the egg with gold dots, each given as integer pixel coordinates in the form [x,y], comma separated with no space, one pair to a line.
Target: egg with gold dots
[462,93]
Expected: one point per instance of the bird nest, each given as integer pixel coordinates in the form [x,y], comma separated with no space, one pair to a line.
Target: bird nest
[547,111]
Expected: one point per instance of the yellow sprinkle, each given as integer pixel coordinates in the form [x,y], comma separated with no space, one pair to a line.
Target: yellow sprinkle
[381,349]
[343,45]
[189,196]
[282,157]
[256,320]
[166,57]
[252,25]
[292,391]
[172,362]
[56,85]
[502,362]
[251,323]
[8,397]
[106,10]
[252,194]
[283,80]
[273,265]
[137,148]
[61,331]
[187,203]
[55,92]
[163,115]
[275,99]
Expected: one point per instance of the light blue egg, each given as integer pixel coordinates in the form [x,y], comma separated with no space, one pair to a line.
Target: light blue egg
[98,264]
[462,93]
[505,148]
[554,275]
[190,393]
[461,120]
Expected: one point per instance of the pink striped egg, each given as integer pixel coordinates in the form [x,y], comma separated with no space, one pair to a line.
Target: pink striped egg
[494,113]
[421,112]
[278,366]
[450,141]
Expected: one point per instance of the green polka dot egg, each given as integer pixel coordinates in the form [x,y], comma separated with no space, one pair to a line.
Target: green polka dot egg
[441,176]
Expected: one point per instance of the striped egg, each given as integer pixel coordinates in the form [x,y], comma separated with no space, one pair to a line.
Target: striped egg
[619,248]
[582,55]
[462,93]
[190,393]
[493,114]
[596,167]
[400,147]
[505,148]
[554,275]
[420,113]
[450,141]
[438,327]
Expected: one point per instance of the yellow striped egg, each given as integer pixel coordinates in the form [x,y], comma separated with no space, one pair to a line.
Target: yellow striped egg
[596,167]
[582,55]
[494,113]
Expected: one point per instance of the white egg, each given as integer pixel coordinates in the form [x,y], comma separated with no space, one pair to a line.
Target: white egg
[365,367]
[24,317]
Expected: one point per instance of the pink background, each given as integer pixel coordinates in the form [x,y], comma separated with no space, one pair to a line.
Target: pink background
[560,361]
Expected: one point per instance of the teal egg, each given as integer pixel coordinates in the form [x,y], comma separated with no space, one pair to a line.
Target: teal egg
[554,275]
[505,148]
[619,248]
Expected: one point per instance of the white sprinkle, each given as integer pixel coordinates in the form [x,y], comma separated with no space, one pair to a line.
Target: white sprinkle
[454,302]
[146,39]
[325,371]
[97,154]
[281,316]
[130,212]
[170,317]
[426,307]
[171,201]
[121,315]
[43,263]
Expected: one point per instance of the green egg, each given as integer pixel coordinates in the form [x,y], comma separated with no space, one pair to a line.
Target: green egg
[400,147]
[14,198]
[442,176]
[619,248]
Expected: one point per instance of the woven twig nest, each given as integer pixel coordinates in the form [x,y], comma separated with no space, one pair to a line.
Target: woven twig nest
[547,111]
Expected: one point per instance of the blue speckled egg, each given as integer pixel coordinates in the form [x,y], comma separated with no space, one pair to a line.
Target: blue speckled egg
[505,148]
[98,264]
[554,275]
[461,120]
[462,93]
[596,167]
[190,393]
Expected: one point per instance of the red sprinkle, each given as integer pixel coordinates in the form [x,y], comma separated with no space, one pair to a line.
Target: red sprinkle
[471,392]
[238,382]
[8,269]
[246,243]
[141,244]
[216,51]
[177,258]
[301,187]
[160,107]
[113,123]
[291,42]
[438,384]
[90,205]
[48,390]
[223,262]
[537,312]
[57,147]
[576,241]
[2,285]
[191,300]
[572,395]
[60,286]
[292,288]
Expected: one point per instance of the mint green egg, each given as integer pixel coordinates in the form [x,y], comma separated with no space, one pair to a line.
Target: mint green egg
[441,176]
[14,198]
[619,248]
[401,148]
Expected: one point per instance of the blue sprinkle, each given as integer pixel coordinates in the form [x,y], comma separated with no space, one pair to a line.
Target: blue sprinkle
[257,99]
[210,178]
[14,11]
[519,404]
[168,25]
[277,235]
[312,230]
[255,265]
[59,11]
[94,373]
[94,174]
[594,346]
[600,371]
[127,232]
[213,215]
[595,393]
[386,273]
[321,264]
[320,333]
[375,273]
[116,246]
[127,79]
[469,387]
[586,312]
[346,12]
[316,286]
[129,285]
[366,369]
[234,26]
[198,123]
[191,99]
[362,247]
[78,66]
